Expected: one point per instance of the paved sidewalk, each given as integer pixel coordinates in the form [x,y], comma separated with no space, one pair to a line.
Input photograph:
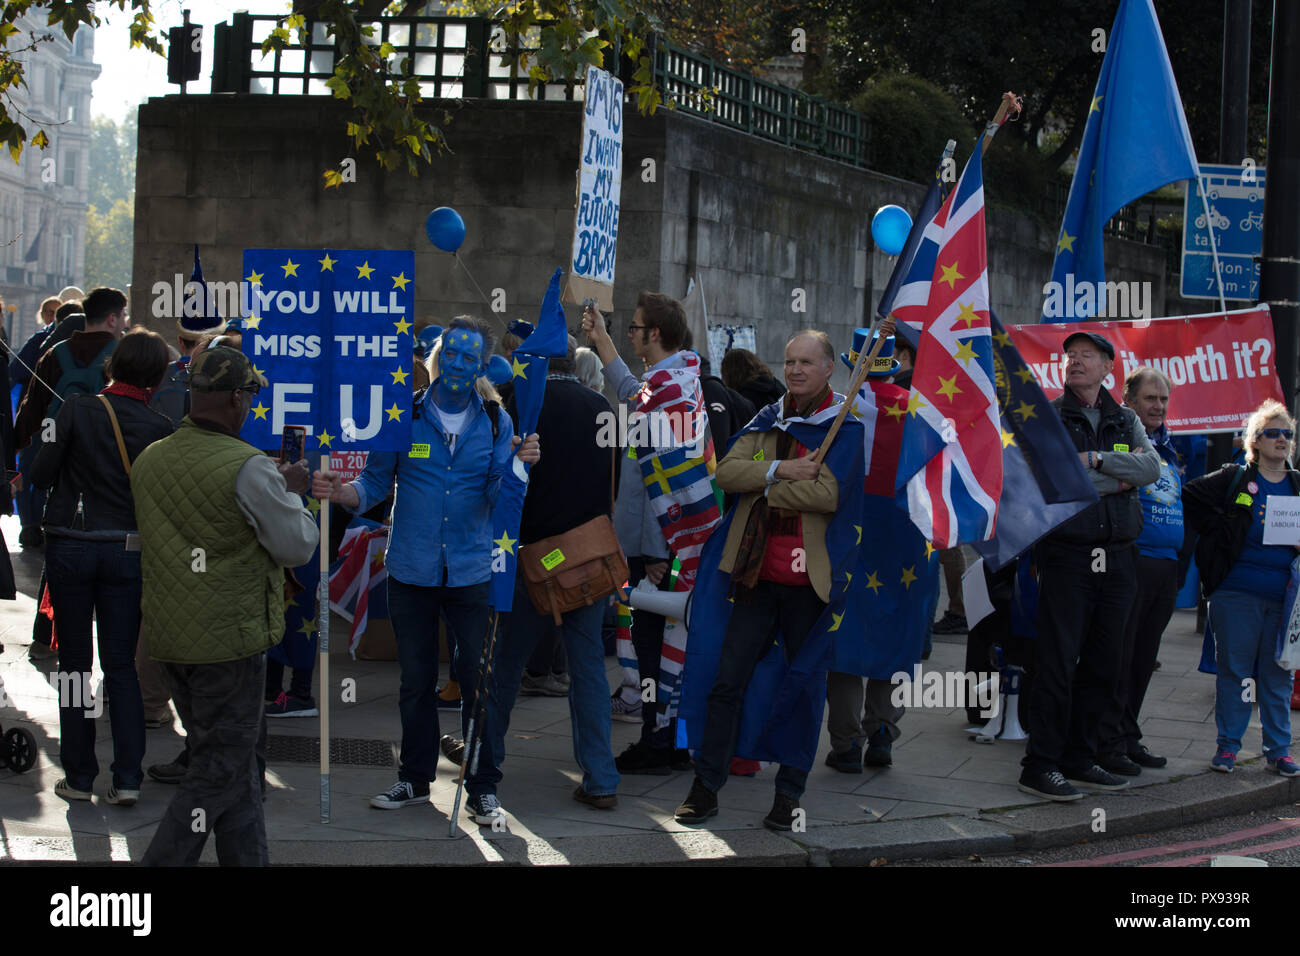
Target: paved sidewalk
[945,793]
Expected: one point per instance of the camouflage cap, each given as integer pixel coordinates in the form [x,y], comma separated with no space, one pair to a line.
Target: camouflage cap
[223,369]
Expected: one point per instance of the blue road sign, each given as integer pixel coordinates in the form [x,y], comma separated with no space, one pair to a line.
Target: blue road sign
[1236,214]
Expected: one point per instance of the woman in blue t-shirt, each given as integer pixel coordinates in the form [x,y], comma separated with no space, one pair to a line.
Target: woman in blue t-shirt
[1245,581]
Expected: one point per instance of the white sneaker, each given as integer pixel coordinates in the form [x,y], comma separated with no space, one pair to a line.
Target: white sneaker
[122,798]
[620,709]
[485,810]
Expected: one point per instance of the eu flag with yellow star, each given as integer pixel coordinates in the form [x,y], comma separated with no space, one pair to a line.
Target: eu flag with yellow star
[1043,482]
[550,339]
[1135,140]
[784,704]
[897,570]
[332,332]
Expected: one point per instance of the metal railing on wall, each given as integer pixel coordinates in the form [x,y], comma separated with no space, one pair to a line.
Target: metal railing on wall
[468,57]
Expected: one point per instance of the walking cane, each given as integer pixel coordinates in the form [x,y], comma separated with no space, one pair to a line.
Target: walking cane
[469,755]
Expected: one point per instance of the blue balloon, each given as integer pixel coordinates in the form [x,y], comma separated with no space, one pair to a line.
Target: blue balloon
[445,228]
[889,227]
[499,370]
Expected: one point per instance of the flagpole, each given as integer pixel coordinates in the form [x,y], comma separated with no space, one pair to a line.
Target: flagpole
[1209,231]
[323,616]
[865,360]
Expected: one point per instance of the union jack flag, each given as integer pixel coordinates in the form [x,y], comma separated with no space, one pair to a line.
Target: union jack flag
[951,462]
[357,576]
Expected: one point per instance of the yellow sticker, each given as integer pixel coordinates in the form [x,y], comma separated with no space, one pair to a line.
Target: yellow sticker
[1245,500]
[549,561]
[631,452]
[1120,448]
[759,455]
[419,451]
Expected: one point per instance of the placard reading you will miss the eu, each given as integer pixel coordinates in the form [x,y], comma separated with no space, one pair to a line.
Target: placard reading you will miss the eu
[331,331]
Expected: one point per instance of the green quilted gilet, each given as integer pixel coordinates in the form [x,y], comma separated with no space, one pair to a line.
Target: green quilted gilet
[224,602]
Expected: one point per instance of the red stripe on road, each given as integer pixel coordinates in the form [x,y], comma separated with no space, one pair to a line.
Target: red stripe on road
[1246,851]
[1172,848]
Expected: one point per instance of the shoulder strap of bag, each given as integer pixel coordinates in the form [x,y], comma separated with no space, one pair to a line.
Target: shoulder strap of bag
[1234,485]
[117,433]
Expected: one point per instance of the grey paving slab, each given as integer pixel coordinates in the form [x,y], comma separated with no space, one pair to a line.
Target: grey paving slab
[944,794]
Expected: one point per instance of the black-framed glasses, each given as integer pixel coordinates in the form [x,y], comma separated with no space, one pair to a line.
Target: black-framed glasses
[634,327]
[1286,433]
[251,389]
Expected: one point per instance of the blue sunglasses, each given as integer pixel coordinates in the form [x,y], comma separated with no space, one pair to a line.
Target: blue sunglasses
[1286,433]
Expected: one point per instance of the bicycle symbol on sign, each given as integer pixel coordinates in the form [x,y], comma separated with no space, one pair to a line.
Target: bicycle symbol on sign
[1254,220]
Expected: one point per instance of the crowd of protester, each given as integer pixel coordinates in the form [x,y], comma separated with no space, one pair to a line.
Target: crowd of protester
[181,542]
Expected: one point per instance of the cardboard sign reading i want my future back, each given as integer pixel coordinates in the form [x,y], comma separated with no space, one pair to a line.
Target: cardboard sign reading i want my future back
[600,177]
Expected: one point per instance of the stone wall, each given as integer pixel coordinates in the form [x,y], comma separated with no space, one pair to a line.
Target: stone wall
[764,226]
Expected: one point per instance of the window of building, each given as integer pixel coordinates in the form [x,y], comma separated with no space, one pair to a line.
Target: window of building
[69,171]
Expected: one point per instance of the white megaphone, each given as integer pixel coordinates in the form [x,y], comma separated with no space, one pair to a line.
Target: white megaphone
[1005,723]
[675,604]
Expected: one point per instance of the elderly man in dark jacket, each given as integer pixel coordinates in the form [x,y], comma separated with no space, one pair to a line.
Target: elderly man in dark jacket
[1087,579]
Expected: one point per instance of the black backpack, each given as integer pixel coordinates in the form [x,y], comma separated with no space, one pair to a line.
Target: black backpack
[75,379]
[173,396]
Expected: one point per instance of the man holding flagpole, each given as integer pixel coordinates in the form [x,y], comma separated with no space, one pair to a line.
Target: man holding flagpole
[781,578]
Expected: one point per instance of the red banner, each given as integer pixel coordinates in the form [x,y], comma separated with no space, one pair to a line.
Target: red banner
[1221,364]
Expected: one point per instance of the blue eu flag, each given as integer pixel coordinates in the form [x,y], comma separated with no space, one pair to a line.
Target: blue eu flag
[1043,482]
[530,365]
[1135,140]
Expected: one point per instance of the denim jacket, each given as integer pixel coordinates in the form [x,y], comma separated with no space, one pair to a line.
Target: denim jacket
[442,509]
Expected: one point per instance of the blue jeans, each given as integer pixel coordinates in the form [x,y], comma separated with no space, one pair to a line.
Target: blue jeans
[588,692]
[99,579]
[413,611]
[1245,638]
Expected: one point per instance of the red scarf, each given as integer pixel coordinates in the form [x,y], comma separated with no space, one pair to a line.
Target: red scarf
[128,391]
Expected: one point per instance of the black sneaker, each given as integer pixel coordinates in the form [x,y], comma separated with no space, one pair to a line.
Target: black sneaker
[1118,763]
[400,794]
[1145,758]
[452,749]
[640,757]
[700,804]
[880,750]
[950,624]
[173,772]
[781,816]
[845,761]
[1094,776]
[1050,785]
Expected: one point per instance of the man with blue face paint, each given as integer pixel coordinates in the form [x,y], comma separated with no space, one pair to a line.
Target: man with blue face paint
[440,549]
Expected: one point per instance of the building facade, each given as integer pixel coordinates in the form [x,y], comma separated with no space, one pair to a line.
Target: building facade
[43,197]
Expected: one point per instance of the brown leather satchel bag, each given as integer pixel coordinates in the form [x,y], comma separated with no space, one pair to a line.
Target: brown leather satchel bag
[576,568]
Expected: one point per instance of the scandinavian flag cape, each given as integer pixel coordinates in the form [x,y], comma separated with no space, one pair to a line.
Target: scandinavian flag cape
[951,463]
[677,469]
[783,707]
